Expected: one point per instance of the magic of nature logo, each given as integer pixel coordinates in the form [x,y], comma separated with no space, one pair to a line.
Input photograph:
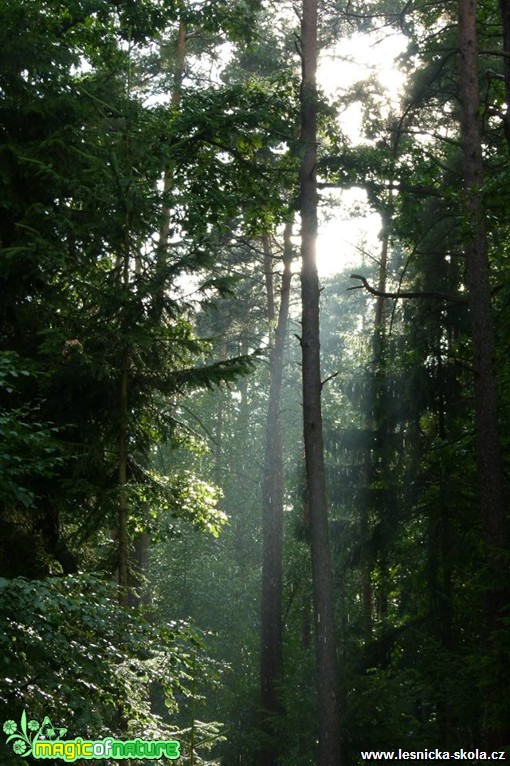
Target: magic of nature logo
[45,740]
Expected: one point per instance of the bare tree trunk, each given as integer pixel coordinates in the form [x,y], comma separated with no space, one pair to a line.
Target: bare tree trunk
[141,542]
[268,274]
[123,534]
[329,729]
[164,229]
[488,450]
[180,57]
[375,422]
[272,509]
[123,262]
[218,445]
[123,538]
[383,265]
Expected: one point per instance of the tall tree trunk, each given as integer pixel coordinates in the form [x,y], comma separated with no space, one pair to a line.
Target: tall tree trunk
[380,303]
[123,534]
[123,537]
[175,101]
[375,424]
[141,543]
[329,729]
[242,427]
[272,508]
[164,229]
[488,452]
[218,443]
[268,275]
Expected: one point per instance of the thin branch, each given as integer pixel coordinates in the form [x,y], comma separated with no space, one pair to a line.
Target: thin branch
[397,295]
[500,54]
[423,191]
[334,375]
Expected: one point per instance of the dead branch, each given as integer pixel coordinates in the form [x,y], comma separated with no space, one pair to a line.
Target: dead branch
[399,294]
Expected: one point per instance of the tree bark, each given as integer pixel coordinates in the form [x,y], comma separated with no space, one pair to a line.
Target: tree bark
[272,510]
[329,730]
[488,450]
[383,265]
[164,229]
[268,275]
[123,534]
[175,101]
[123,539]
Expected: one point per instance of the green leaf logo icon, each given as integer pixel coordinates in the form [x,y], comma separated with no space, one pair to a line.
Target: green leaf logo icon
[29,731]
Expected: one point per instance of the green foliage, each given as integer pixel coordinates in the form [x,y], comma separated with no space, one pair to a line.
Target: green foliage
[82,164]
[30,449]
[70,652]
[236,19]
[173,499]
[85,284]
[224,168]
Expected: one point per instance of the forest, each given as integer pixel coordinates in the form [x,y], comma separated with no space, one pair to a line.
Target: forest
[254,512]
